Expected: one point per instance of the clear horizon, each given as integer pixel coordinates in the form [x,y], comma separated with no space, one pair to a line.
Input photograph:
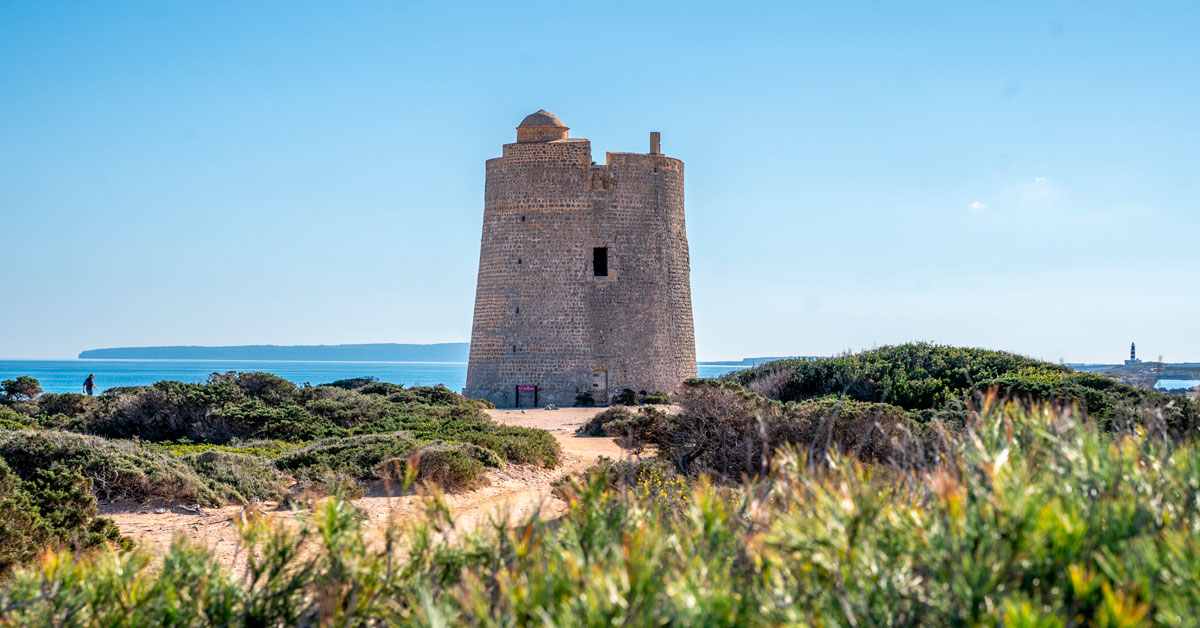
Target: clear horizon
[1016,176]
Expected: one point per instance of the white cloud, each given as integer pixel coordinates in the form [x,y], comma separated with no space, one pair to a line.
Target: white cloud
[1042,180]
[979,207]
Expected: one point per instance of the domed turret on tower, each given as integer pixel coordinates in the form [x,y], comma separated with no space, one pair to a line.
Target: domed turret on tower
[541,126]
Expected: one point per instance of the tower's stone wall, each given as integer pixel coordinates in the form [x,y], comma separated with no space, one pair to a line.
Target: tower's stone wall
[542,317]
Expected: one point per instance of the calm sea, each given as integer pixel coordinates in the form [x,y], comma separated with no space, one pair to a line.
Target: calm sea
[1171,384]
[59,376]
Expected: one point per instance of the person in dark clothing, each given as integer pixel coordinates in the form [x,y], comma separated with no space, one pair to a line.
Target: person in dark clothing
[89,384]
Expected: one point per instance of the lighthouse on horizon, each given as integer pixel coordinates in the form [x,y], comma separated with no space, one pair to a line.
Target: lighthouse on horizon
[1133,359]
[584,282]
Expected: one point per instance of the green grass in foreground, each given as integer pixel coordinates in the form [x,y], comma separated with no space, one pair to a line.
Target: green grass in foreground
[1029,517]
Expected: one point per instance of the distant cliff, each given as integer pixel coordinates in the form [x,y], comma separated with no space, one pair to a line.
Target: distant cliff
[442,352]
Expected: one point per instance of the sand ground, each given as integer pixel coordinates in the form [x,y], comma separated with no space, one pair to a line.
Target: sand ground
[513,492]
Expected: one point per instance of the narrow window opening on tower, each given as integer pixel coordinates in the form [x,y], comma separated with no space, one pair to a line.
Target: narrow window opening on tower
[518,261]
[600,261]
[522,219]
[518,310]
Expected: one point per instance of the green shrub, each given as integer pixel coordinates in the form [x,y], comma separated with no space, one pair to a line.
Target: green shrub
[659,398]
[360,456]
[353,383]
[165,411]
[12,420]
[346,409]
[595,425]
[627,397]
[379,456]
[727,432]
[266,386]
[652,479]
[521,445]
[381,388]
[482,404]
[256,419]
[69,405]
[585,400]
[243,406]
[23,387]
[214,443]
[453,466]
[927,380]
[53,509]
[436,395]
[269,449]
[238,477]
[116,469]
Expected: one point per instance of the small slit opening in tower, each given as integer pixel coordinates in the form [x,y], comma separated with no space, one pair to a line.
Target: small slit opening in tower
[600,261]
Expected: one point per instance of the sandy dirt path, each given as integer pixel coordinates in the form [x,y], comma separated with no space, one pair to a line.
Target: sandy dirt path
[515,491]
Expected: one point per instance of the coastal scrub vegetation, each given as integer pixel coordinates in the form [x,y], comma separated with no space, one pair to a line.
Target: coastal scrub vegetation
[23,387]
[52,508]
[1031,515]
[928,380]
[240,437]
[894,405]
[245,435]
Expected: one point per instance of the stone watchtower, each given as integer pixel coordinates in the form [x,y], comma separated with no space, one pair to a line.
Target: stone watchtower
[584,281]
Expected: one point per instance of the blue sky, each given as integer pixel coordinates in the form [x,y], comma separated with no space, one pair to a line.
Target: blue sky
[1009,175]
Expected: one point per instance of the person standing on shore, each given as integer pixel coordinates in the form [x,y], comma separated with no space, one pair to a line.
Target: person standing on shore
[89,384]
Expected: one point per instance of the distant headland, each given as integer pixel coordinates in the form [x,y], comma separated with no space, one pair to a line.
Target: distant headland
[381,352]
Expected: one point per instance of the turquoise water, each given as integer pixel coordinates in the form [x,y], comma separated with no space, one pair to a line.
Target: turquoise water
[59,376]
[1171,384]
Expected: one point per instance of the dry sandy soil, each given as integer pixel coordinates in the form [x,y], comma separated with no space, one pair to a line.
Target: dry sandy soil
[514,492]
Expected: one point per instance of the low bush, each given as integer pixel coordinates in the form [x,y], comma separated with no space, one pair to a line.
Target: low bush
[627,397]
[381,456]
[522,445]
[54,509]
[353,383]
[357,456]
[630,429]
[69,405]
[659,399]
[12,420]
[116,469]
[727,432]
[268,387]
[23,387]
[585,400]
[652,479]
[381,388]
[436,395]
[243,406]
[927,380]
[454,466]
[239,477]
[482,404]
[269,449]
[595,425]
